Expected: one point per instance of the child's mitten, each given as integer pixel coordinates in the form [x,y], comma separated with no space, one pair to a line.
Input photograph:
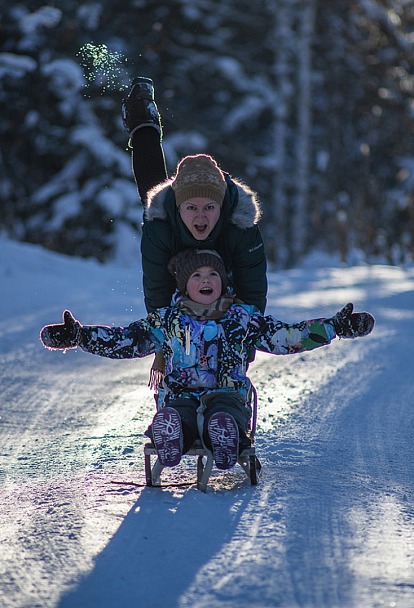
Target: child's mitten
[348,324]
[64,335]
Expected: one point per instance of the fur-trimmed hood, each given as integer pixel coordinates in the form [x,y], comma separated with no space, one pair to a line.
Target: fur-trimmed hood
[246,211]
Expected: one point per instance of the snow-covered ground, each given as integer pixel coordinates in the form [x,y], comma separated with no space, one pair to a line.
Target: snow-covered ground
[331,523]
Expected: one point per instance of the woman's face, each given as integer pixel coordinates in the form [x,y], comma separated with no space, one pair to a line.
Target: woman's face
[200,215]
[204,285]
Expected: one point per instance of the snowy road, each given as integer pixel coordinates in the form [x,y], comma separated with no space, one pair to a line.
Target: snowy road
[331,523]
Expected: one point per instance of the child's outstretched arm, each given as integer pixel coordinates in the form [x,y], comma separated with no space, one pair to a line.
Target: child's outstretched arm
[283,339]
[139,339]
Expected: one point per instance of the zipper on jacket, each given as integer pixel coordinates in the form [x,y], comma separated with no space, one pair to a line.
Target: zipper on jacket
[187,339]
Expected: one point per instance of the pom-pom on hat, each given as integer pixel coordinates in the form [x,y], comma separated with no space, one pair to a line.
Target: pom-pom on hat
[182,266]
[199,176]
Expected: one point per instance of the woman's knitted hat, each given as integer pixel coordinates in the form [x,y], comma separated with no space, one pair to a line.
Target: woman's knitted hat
[182,266]
[199,176]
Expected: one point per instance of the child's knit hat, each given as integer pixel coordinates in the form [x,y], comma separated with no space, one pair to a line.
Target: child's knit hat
[199,176]
[182,266]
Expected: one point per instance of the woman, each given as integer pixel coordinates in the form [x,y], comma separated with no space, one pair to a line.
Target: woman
[199,206]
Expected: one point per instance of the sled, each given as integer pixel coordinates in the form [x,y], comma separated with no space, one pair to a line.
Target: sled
[248,459]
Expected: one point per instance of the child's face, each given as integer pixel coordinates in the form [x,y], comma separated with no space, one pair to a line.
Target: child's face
[204,285]
[200,215]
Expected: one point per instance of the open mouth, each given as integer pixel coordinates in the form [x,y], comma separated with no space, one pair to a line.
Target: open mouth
[206,291]
[200,228]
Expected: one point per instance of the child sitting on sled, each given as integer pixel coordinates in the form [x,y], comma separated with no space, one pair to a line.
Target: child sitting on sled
[205,336]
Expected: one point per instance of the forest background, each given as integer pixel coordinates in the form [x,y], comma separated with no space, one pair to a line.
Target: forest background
[309,102]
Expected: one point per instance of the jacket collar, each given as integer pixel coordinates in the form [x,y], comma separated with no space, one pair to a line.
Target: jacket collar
[241,205]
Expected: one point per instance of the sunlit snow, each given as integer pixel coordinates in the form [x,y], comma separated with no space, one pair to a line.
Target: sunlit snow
[331,522]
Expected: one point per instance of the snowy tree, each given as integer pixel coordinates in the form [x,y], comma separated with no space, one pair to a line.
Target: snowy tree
[63,181]
[293,28]
[364,63]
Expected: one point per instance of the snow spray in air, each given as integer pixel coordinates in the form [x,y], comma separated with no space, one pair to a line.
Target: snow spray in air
[103,67]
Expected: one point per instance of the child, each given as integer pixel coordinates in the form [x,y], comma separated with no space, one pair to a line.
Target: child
[205,336]
[201,206]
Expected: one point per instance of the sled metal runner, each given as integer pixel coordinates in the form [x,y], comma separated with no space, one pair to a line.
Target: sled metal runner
[247,459]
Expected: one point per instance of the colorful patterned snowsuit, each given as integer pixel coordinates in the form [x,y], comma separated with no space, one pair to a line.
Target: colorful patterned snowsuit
[206,359]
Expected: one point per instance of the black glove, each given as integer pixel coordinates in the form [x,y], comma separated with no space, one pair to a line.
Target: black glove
[348,324]
[65,335]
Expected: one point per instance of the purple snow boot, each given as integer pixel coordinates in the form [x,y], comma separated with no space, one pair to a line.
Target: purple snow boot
[167,436]
[224,436]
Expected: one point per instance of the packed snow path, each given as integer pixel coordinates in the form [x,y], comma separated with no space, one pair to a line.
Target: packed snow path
[331,523]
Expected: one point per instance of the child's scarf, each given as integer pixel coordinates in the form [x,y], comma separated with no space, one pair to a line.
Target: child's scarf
[203,312]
